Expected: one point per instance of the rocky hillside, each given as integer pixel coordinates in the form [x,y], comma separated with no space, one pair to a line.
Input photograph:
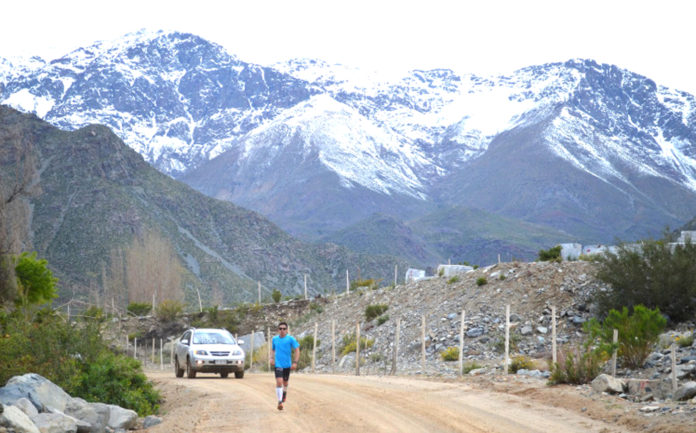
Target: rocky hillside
[98,212]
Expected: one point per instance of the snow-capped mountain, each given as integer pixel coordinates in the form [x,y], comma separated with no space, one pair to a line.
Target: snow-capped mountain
[175,98]
[588,148]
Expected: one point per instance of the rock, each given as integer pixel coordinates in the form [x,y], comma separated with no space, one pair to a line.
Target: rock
[39,390]
[542,329]
[686,391]
[526,330]
[606,383]
[85,412]
[27,407]
[577,320]
[647,409]
[120,418]
[151,420]
[475,332]
[55,423]
[17,421]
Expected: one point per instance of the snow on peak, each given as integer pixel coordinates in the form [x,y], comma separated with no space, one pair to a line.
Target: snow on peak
[347,143]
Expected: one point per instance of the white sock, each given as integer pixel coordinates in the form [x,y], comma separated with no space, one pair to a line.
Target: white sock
[279,393]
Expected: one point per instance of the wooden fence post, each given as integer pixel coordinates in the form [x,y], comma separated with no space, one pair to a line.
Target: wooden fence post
[461,345]
[507,338]
[423,344]
[347,283]
[333,346]
[396,346]
[161,356]
[305,286]
[554,356]
[251,352]
[396,274]
[269,344]
[135,348]
[674,369]
[314,346]
[613,355]
[357,350]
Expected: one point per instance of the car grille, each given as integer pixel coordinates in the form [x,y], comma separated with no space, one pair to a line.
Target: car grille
[220,353]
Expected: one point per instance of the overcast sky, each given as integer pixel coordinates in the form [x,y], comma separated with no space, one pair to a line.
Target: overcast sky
[653,38]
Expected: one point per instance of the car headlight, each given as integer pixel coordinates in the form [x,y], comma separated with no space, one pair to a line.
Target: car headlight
[200,352]
[237,353]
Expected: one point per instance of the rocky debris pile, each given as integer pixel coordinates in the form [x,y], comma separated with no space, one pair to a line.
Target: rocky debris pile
[31,404]
[531,290]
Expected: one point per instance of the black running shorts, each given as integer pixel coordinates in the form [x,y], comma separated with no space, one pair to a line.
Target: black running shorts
[282,372]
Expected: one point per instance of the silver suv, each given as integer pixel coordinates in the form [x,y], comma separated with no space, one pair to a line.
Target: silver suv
[208,351]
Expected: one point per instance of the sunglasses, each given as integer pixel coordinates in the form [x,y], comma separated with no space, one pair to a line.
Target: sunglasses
[282,329]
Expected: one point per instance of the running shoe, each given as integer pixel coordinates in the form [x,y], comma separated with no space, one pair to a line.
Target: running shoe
[280,405]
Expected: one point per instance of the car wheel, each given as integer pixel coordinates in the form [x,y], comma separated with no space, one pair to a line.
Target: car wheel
[224,374]
[238,374]
[178,371]
[190,372]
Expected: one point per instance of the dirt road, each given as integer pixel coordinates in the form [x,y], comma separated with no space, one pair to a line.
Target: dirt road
[330,403]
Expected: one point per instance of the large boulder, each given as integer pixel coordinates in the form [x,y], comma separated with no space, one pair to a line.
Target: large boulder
[40,391]
[117,417]
[80,409]
[54,422]
[13,419]
[606,383]
[686,391]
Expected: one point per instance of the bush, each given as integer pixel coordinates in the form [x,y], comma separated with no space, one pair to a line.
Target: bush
[118,380]
[520,362]
[94,313]
[168,310]
[276,295]
[139,308]
[450,354]
[481,281]
[576,366]
[453,280]
[349,345]
[365,284]
[382,319]
[467,367]
[685,341]
[375,310]
[550,255]
[75,357]
[306,346]
[638,332]
[654,274]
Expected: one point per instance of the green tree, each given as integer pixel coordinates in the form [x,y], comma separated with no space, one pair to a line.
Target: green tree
[652,273]
[550,255]
[276,295]
[36,282]
[638,332]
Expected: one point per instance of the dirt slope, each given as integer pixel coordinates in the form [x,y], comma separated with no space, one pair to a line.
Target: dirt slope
[341,403]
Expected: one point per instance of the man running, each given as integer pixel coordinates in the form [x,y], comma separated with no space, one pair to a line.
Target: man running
[281,349]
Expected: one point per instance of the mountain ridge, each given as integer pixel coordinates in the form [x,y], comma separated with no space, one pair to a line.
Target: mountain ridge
[606,152]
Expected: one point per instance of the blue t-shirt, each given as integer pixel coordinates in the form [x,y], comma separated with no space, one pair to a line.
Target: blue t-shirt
[283,350]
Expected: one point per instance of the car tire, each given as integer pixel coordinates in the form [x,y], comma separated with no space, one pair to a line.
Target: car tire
[224,374]
[190,372]
[178,372]
[238,374]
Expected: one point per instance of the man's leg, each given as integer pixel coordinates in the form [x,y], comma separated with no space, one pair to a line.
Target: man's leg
[279,388]
[286,378]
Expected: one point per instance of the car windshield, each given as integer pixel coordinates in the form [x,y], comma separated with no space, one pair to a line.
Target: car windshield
[212,338]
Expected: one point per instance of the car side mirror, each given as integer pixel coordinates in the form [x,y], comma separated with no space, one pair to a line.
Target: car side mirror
[186,342]
[240,341]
